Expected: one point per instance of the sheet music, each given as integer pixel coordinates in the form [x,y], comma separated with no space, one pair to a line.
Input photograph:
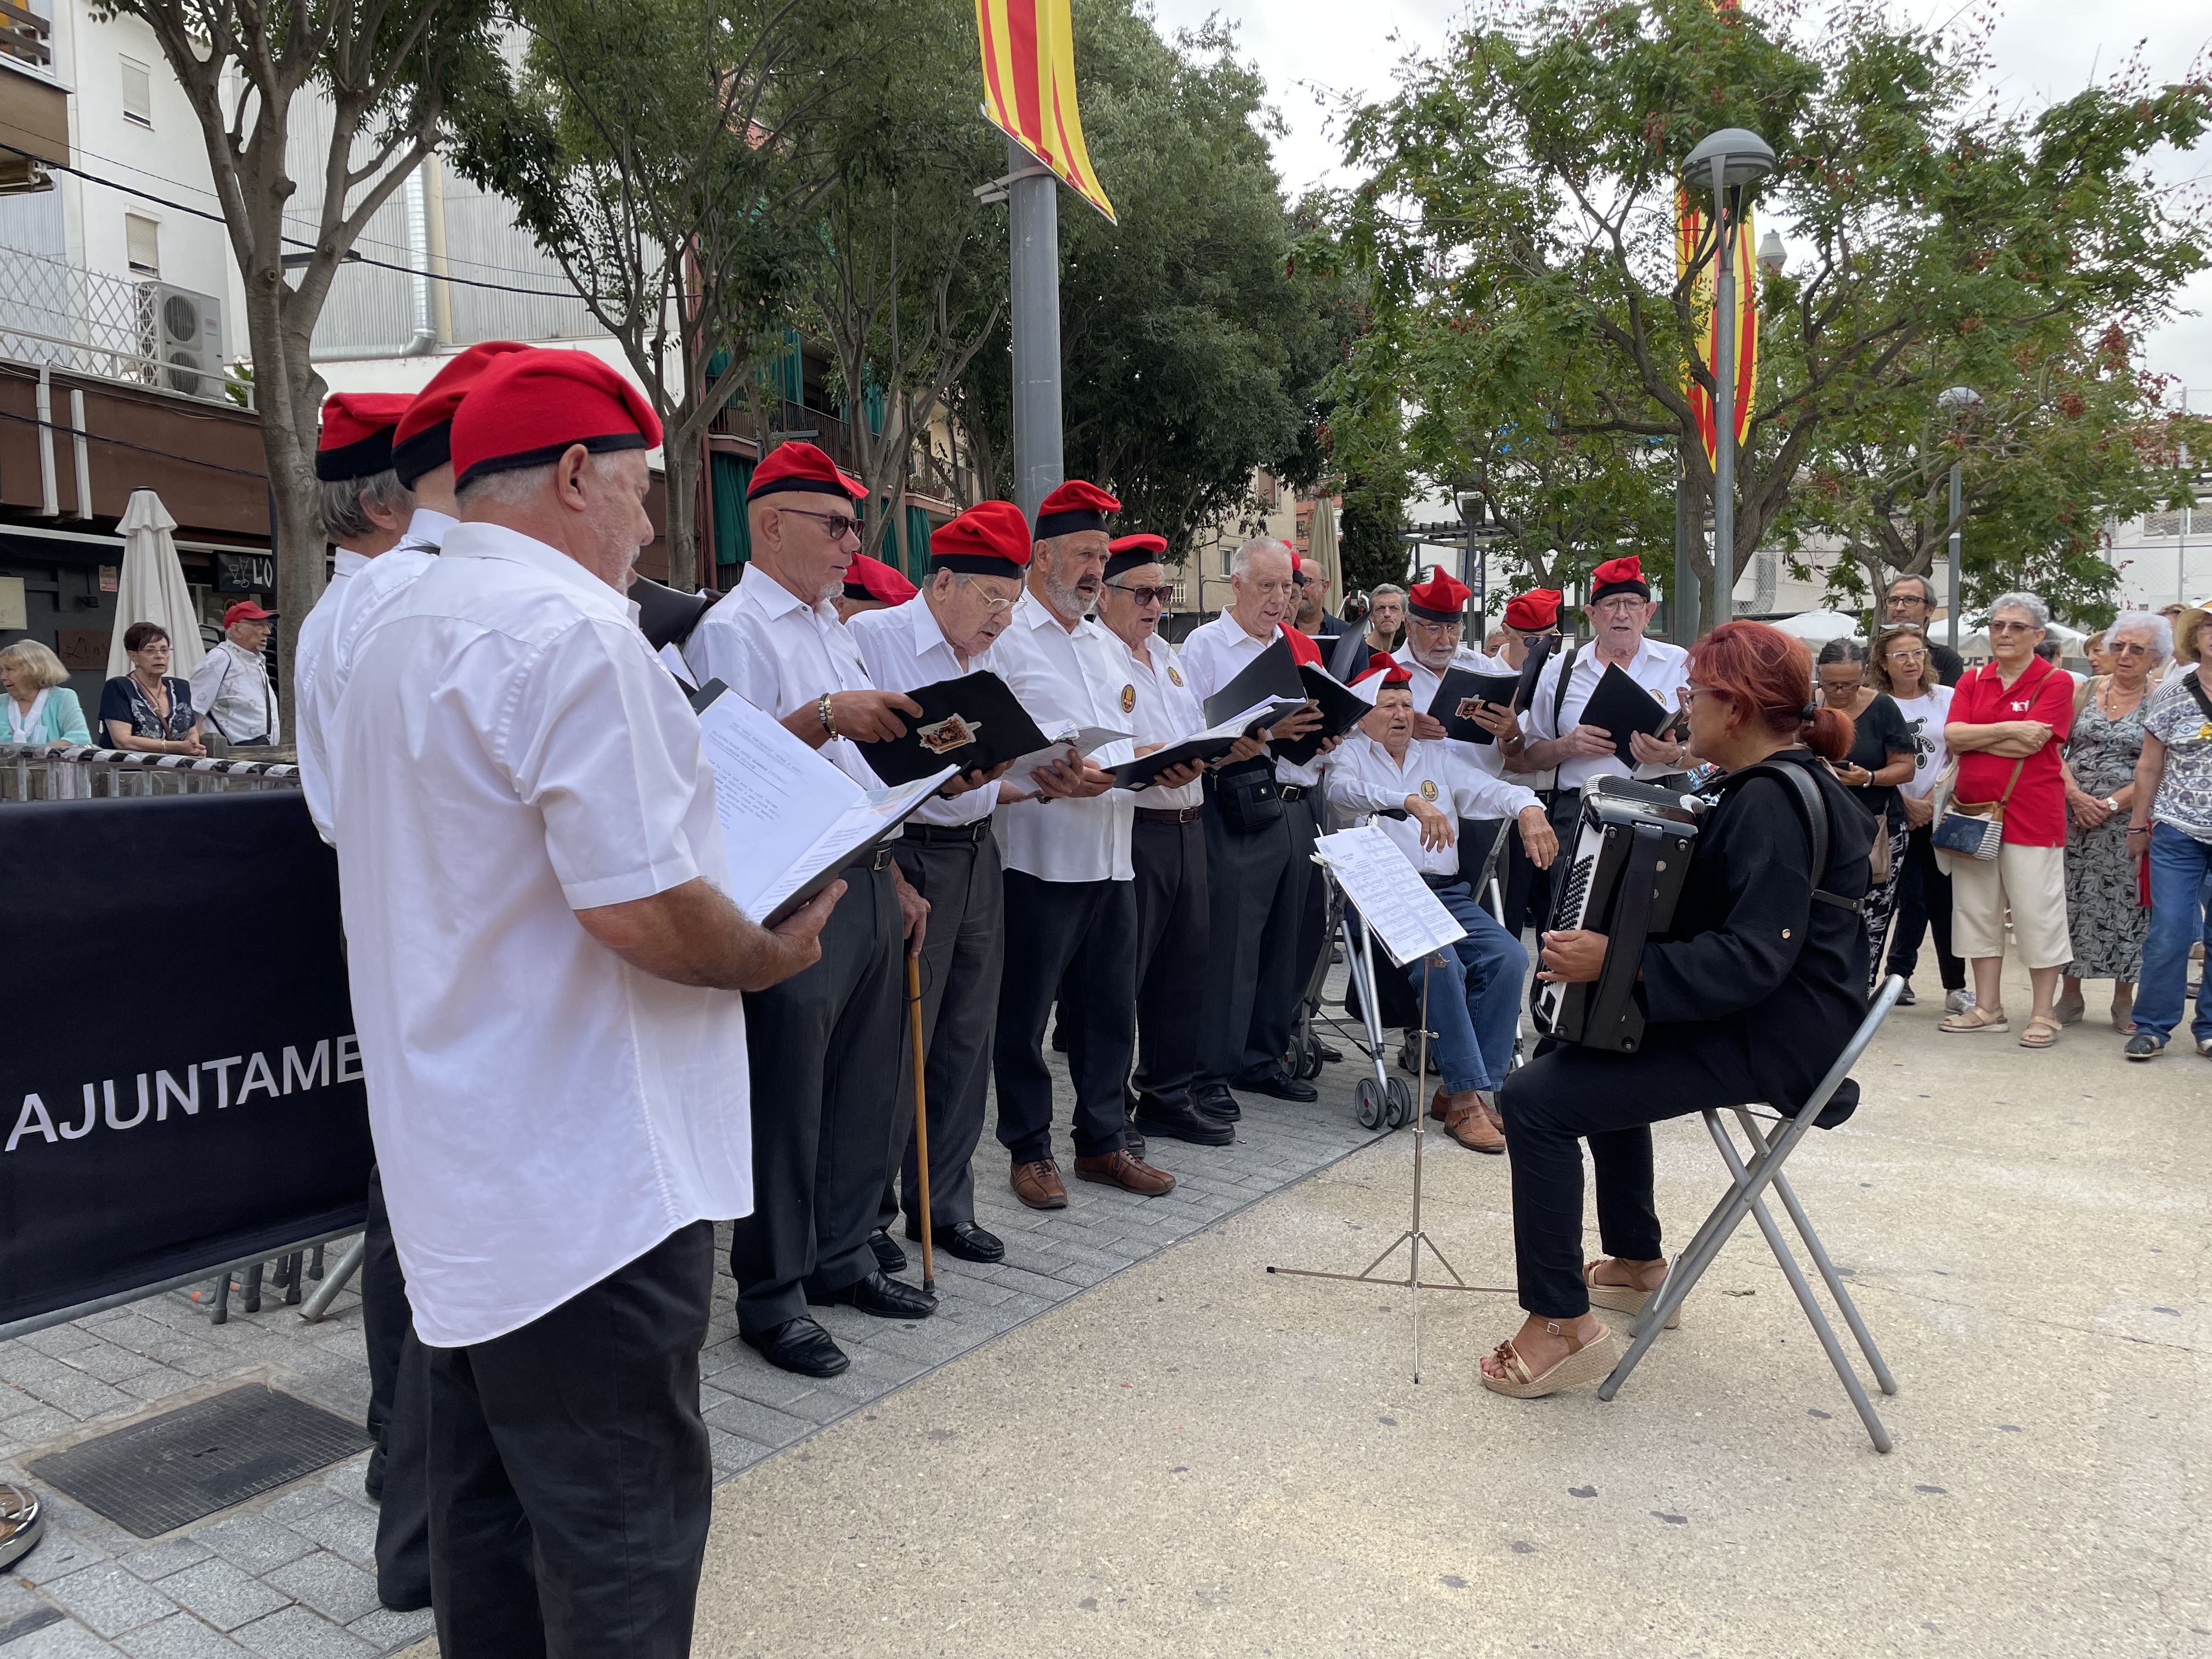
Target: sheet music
[1084,739]
[1391,896]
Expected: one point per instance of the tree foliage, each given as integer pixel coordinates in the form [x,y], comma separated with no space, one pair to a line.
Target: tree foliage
[1531,327]
[390,71]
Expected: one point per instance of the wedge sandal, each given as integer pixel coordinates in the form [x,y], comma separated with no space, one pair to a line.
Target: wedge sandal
[1585,1363]
[1622,1298]
[2041,1033]
[1974,1019]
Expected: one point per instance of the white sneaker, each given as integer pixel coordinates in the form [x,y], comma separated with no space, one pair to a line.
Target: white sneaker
[1957,1002]
[2205,1048]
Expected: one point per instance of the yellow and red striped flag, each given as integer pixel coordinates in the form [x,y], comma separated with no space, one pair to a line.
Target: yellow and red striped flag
[1029,88]
[1690,233]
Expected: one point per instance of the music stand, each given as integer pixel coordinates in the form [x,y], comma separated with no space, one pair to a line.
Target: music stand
[1415,1237]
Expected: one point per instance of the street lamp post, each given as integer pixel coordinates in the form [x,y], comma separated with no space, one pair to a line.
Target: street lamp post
[1725,163]
[1958,402]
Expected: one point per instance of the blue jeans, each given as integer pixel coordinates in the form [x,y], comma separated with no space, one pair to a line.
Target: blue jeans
[2180,870]
[1474,1028]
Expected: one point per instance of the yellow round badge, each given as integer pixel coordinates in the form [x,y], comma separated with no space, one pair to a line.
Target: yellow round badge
[1128,698]
[1428,790]
[1175,674]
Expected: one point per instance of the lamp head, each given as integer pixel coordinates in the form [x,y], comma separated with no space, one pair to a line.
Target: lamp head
[1772,256]
[1745,158]
[1957,401]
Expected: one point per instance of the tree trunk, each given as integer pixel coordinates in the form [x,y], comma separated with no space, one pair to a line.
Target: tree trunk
[286,384]
[682,466]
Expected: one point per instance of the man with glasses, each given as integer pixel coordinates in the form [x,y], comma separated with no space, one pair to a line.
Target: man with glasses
[950,856]
[1167,849]
[1266,906]
[1071,900]
[1910,602]
[1551,735]
[1313,620]
[823,1044]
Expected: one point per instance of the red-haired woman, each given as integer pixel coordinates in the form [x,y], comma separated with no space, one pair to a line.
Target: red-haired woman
[1750,997]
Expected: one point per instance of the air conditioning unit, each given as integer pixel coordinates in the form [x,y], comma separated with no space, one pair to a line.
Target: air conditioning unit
[182,332]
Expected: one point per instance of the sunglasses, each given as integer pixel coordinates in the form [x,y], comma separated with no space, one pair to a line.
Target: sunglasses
[839,524]
[1144,595]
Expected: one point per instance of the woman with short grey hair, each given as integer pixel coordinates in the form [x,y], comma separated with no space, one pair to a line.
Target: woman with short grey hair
[2103,920]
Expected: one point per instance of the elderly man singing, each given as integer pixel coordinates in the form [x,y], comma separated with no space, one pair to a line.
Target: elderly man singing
[543,960]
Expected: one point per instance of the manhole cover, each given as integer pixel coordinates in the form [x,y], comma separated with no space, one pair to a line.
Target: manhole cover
[158,1475]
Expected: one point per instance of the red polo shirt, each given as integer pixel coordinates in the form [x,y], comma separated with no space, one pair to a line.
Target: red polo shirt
[2036,815]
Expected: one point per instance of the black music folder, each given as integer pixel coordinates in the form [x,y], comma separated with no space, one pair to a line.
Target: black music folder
[970,723]
[1623,707]
[1208,745]
[1460,686]
[1532,669]
[1342,708]
[1268,686]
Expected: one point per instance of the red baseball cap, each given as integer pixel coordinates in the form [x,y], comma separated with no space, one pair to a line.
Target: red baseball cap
[531,406]
[422,441]
[798,465]
[1077,505]
[247,610]
[991,538]
[356,436]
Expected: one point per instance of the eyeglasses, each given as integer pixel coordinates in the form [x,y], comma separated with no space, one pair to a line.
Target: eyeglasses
[839,524]
[1144,595]
[2129,649]
[1453,627]
[1691,693]
[1900,653]
[2012,627]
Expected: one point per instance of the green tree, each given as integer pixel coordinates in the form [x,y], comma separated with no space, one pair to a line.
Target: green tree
[664,153]
[386,74]
[1519,224]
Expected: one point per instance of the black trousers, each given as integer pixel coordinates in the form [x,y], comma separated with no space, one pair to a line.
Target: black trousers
[1172,922]
[963,952]
[1528,889]
[1568,1093]
[1923,903]
[1312,906]
[821,1049]
[1084,932]
[570,1485]
[398,1378]
[1245,877]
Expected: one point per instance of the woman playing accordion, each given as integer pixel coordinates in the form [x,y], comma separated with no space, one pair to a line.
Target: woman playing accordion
[1749,995]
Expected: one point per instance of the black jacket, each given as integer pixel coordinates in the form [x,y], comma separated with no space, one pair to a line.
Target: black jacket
[1751,962]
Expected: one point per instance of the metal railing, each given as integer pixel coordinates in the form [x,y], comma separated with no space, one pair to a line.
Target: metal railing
[34,772]
[64,317]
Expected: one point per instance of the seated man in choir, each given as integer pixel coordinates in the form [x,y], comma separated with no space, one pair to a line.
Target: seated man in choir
[1417,790]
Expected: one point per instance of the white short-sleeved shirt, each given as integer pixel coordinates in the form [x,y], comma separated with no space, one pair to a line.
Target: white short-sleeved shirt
[1659,668]
[1167,711]
[1214,653]
[1363,778]
[1924,717]
[780,654]
[307,721]
[231,690]
[506,752]
[1066,678]
[902,647]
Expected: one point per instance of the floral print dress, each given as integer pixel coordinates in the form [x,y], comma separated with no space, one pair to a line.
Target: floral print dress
[2105,923]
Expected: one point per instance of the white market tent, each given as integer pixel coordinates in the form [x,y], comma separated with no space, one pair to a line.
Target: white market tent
[152,587]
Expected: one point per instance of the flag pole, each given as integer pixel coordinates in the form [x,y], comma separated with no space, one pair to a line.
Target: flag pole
[1033,219]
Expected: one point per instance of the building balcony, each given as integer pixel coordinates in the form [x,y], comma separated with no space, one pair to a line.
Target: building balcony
[34,108]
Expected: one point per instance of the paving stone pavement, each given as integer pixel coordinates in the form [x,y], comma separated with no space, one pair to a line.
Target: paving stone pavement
[290,1575]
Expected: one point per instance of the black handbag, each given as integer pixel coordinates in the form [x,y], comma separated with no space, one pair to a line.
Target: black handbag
[1248,797]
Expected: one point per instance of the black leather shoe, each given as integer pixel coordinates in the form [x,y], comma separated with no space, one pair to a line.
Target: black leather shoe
[1329,1057]
[1183,1122]
[799,1345]
[888,1256]
[1132,1137]
[1279,1084]
[963,1239]
[878,1294]
[1215,1101]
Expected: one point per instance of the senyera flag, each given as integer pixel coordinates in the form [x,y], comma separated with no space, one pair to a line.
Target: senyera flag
[1690,241]
[1029,88]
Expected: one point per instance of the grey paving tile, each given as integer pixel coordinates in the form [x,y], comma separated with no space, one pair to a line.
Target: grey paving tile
[61,1339]
[333,1586]
[59,1553]
[112,1363]
[299,1502]
[296,1633]
[221,1593]
[254,1543]
[65,1640]
[15,1601]
[159,1560]
[350,1529]
[387,1631]
[25,1366]
[83,1397]
[109,1600]
[180,1636]
[758,1422]
[37,1427]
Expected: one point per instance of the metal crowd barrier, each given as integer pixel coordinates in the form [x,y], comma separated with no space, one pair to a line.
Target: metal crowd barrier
[31,772]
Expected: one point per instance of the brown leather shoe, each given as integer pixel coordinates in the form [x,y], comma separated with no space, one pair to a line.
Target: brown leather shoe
[1437,1105]
[1130,1174]
[1488,1100]
[1038,1185]
[1471,1126]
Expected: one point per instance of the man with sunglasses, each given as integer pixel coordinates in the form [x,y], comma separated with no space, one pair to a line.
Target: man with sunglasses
[1167,849]
[823,1044]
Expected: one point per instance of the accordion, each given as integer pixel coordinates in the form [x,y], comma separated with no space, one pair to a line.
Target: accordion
[1621,877]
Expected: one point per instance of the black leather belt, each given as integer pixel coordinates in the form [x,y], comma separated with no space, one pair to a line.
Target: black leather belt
[1162,815]
[1294,791]
[962,835]
[870,862]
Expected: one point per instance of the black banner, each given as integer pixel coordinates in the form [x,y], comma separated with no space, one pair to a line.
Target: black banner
[180,1083]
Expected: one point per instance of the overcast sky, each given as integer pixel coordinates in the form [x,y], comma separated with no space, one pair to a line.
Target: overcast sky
[1311,53]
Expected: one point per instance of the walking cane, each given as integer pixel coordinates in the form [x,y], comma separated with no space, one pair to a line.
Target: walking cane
[921,1120]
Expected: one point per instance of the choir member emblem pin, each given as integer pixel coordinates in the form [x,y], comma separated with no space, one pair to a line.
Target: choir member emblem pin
[1128,698]
[943,736]
[1428,790]
[1175,674]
